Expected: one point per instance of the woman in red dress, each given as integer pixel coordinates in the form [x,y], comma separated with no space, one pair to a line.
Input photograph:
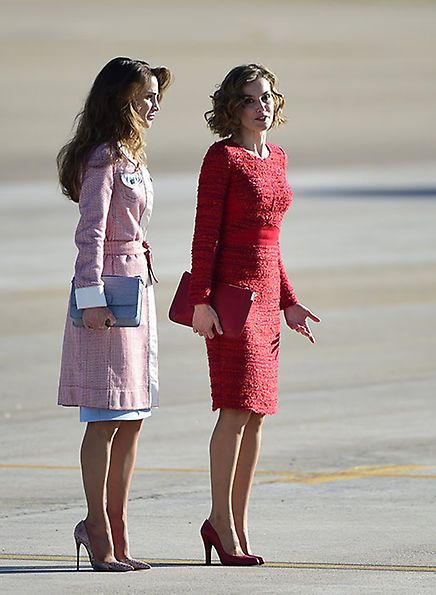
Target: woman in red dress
[242,197]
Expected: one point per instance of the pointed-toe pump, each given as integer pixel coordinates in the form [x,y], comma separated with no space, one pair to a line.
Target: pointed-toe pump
[81,537]
[135,564]
[211,538]
[260,560]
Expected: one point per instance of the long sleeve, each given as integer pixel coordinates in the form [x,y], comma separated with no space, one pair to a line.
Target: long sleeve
[287,293]
[94,202]
[212,190]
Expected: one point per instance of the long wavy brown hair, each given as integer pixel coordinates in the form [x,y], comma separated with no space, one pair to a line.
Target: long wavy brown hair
[223,118]
[109,116]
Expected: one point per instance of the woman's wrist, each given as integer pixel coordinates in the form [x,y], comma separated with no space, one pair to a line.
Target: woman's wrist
[201,306]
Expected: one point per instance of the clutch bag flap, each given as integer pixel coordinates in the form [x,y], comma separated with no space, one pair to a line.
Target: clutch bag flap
[123,297]
[231,303]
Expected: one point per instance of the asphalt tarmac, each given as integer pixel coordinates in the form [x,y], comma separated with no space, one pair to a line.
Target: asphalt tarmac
[344,498]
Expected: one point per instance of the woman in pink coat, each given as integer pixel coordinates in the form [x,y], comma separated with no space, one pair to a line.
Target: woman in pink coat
[111,373]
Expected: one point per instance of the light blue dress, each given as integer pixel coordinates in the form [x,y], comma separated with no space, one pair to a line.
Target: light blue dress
[96,414]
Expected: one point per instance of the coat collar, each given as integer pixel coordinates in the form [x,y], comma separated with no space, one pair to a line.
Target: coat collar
[127,154]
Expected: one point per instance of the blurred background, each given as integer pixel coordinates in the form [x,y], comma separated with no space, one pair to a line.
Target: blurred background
[359,76]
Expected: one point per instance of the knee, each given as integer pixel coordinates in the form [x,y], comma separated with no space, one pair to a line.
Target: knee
[103,430]
[256,421]
[130,427]
[235,418]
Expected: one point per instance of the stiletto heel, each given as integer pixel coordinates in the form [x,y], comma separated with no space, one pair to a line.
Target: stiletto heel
[207,550]
[77,553]
[211,538]
[81,537]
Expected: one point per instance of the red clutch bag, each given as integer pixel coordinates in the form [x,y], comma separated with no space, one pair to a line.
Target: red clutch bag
[231,303]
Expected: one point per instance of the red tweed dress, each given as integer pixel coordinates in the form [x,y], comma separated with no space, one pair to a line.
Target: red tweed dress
[241,202]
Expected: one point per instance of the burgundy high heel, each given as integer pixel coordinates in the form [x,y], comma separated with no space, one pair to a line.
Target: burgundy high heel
[259,558]
[211,538]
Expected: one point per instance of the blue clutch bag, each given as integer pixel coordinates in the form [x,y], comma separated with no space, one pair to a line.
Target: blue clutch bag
[123,298]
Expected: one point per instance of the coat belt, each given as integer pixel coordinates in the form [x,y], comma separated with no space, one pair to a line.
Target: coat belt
[120,248]
[131,248]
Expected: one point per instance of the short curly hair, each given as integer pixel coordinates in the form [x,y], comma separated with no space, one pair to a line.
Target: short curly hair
[223,118]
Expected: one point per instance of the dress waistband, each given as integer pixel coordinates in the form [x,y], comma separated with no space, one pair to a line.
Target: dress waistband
[120,248]
[254,236]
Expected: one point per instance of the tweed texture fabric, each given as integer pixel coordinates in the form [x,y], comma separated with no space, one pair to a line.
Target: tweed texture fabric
[115,368]
[239,196]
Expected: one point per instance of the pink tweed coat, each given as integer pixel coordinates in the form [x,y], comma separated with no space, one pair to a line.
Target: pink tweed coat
[115,368]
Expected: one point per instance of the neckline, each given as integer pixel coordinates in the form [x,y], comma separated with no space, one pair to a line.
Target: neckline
[267,145]
[127,154]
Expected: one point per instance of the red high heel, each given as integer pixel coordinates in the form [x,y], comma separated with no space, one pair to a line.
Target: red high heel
[259,558]
[211,538]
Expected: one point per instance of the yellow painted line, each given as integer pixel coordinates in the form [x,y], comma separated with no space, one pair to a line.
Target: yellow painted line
[277,476]
[413,476]
[294,565]
[340,566]
[140,469]
[39,557]
[84,559]
[354,473]
[143,469]
[28,466]
[76,468]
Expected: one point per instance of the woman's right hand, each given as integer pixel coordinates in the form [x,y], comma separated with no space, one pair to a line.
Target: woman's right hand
[98,319]
[204,321]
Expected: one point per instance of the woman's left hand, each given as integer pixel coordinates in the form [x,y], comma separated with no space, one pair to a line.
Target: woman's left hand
[296,318]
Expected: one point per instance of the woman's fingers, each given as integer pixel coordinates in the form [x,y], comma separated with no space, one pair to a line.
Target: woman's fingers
[200,333]
[308,334]
[313,316]
[110,321]
[205,322]
[98,319]
[303,329]
[209,332]
[217,324]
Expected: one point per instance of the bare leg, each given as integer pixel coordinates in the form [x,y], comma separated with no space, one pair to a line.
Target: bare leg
[224,449]
[245,468]
[122,463]
[94,457]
